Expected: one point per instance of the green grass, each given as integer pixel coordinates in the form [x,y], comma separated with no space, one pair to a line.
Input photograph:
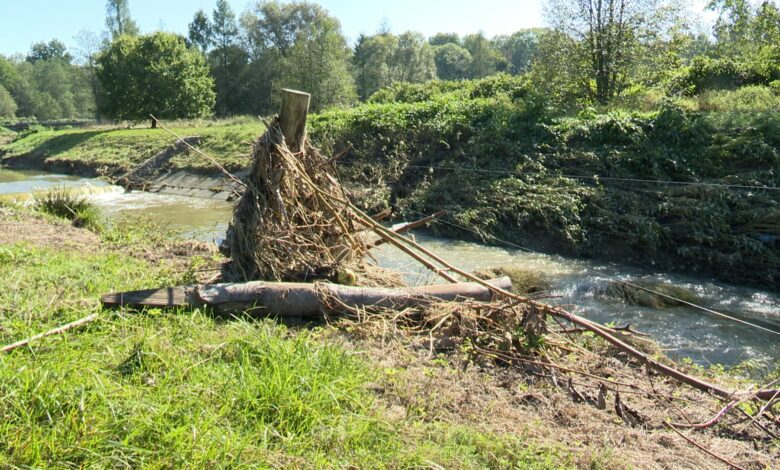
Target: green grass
[178,389]
[117,150]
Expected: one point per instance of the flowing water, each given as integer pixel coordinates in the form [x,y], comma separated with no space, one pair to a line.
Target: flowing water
[577,284]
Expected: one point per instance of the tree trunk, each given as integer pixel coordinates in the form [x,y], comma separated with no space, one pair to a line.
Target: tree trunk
[154,123]
[287,299]
[309,300]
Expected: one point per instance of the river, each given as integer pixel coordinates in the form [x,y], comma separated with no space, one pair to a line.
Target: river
[683,331]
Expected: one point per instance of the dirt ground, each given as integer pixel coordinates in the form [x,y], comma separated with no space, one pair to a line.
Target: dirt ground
[549,408]
[38,231]
[503,400]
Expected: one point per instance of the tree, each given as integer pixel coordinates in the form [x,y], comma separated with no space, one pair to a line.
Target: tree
[274,25]
[372,59]
[118,19]
[154,74]
[744,31]
[440,39]
[452,62]
[518,49]
[88,46]
[7,104]
[413,60]
[610,36]
[228,62]
[485,59]
[318,63]
[296,44]
[200,31]
[53,50]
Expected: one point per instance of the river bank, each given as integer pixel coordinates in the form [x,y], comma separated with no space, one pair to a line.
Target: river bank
[592,186]
[162,388]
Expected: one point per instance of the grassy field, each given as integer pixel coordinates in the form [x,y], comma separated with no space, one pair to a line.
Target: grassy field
[158,389]
[112,151]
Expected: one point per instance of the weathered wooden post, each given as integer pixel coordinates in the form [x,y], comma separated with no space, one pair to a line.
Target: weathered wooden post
[292,118]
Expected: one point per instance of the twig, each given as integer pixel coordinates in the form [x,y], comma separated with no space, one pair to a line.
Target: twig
[55,331]
[702,448]
[726,409]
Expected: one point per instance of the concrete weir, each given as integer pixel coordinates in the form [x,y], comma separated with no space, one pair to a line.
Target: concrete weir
[181,183]
[153,176]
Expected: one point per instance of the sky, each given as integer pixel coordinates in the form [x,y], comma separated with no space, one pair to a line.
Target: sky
[25,22]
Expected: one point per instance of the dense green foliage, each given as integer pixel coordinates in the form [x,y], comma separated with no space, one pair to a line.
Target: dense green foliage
[155,74]
[605,52]
[504,165]
[46,85]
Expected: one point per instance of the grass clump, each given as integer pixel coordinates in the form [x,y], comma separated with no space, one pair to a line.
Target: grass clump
[66,203]
[524,281]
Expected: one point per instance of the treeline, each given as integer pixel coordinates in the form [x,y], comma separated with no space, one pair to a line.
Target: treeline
[593,52]
[45,84]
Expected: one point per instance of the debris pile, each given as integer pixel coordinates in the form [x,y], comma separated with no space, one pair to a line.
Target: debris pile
[285,226]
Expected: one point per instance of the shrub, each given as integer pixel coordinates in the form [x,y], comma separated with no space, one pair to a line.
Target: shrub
[722,74]
[64,202]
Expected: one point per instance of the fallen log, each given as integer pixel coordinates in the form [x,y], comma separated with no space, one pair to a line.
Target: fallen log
[285,299]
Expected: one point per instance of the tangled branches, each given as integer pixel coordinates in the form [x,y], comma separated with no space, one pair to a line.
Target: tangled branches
[282,228]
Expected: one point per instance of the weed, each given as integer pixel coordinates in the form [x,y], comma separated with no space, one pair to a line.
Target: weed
[64,202]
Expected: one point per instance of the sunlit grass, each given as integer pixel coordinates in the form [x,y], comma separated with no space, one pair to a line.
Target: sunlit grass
[172,389]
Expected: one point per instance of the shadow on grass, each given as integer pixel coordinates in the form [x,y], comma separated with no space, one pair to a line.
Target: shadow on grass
[52,146]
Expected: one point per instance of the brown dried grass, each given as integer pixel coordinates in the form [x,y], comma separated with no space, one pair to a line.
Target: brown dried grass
[282,228]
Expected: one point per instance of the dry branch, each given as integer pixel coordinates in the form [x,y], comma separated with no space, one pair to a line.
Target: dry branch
[55,331]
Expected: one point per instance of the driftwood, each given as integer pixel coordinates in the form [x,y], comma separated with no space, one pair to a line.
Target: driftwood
[298,299]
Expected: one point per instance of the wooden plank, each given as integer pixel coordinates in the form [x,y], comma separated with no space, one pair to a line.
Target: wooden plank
[162,298]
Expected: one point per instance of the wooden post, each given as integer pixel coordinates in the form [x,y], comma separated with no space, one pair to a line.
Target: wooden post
[292,117]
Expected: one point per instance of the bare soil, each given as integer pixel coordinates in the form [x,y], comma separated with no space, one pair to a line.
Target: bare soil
[560,407]
[16,227]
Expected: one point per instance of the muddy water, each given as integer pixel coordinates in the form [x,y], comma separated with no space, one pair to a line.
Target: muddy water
[683,331]
[202,219]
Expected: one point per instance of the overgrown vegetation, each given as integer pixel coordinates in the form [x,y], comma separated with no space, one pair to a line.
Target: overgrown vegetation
[506,165]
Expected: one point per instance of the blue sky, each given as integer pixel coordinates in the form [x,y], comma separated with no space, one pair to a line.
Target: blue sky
[27,21]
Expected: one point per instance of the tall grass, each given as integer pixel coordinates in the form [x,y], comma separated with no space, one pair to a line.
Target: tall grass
[66,203]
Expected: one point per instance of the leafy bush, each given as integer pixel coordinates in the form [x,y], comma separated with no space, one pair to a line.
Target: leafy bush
[722,74]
